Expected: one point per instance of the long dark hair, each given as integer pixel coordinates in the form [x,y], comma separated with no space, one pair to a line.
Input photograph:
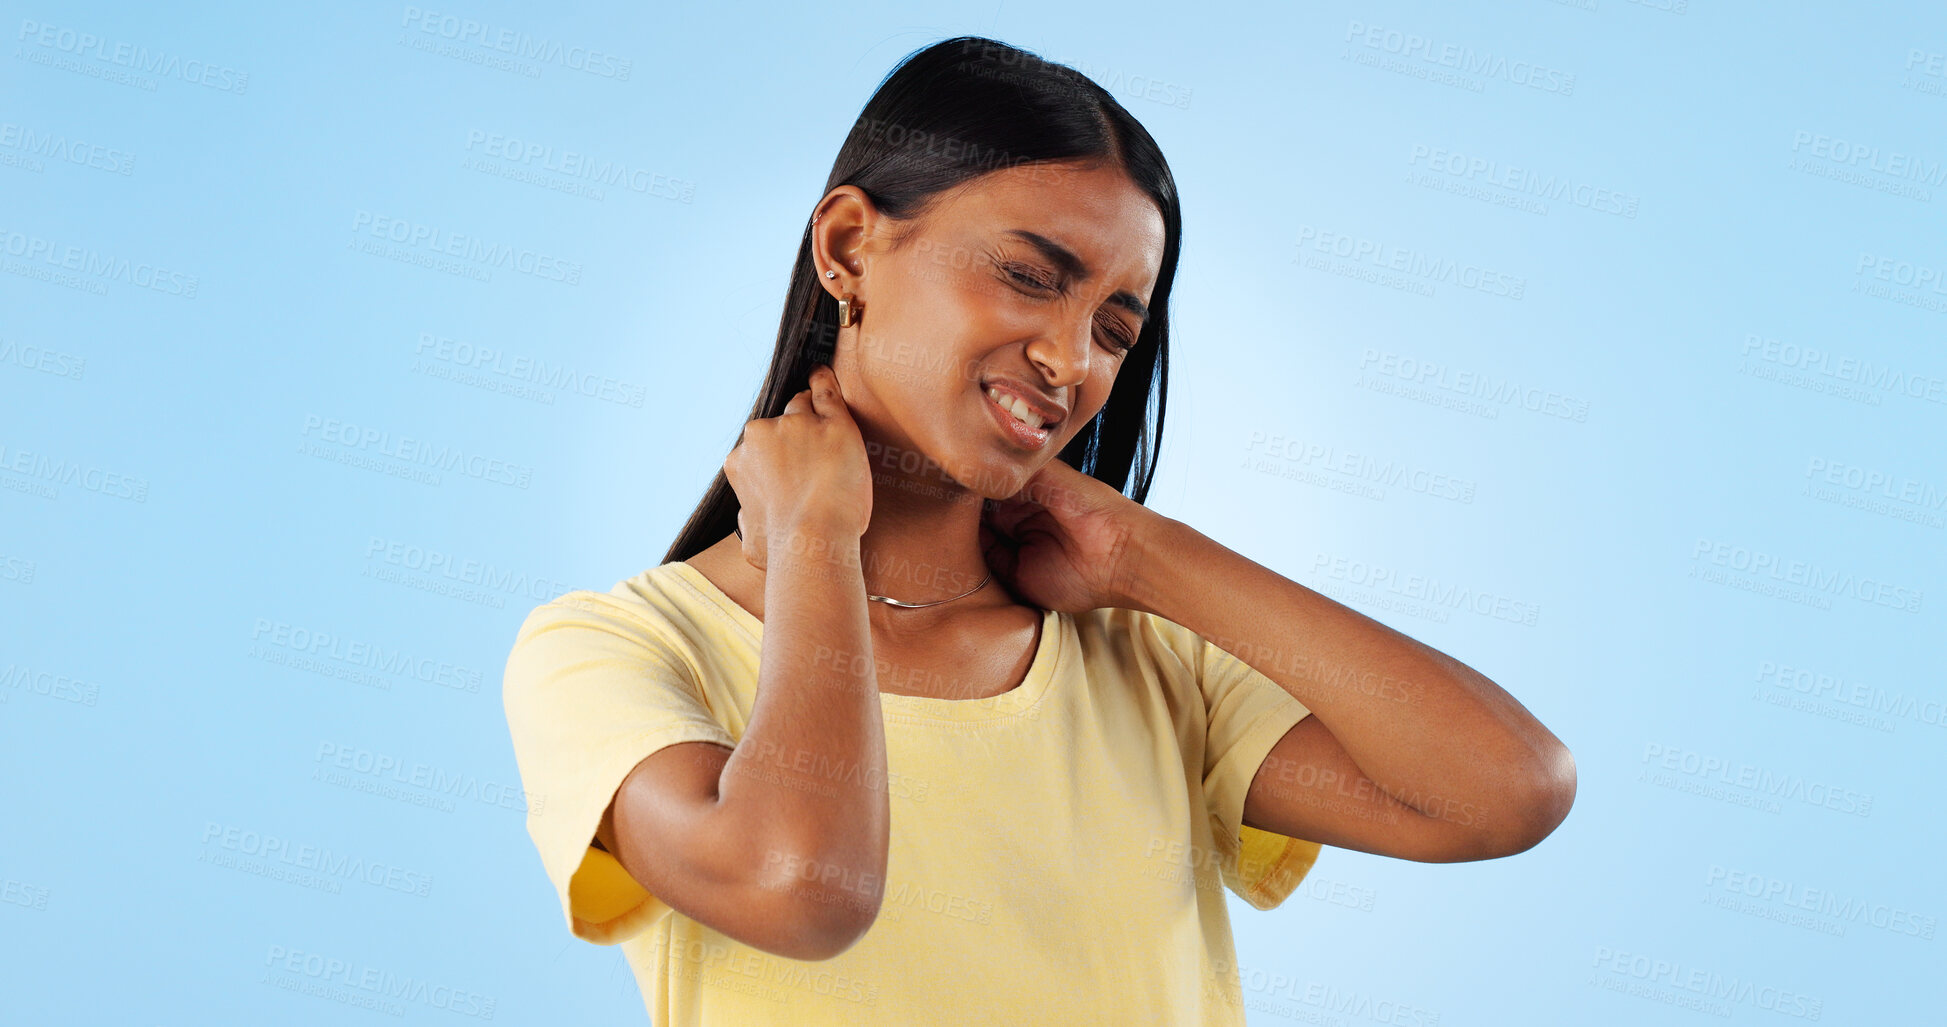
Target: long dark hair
[945,114]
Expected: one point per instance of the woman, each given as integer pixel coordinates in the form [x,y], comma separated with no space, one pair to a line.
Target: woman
[922,719]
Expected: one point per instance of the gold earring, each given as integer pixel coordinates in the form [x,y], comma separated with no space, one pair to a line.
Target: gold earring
[849,311]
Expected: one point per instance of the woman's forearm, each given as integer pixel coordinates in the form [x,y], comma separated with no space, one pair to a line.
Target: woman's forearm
[808,777]
[1418,722]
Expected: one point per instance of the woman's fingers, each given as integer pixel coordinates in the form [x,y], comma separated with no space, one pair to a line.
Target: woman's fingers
[825,395]
[799,404]
[1000,555]
[815,463]
[1006,515]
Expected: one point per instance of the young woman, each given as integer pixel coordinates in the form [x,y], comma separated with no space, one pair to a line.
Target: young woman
[923,719]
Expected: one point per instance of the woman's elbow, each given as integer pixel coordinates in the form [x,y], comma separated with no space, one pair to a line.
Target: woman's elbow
[1544,803]
[818,916]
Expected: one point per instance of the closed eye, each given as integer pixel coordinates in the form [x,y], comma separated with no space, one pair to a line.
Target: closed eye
[1027,279]
[1110,328]
[1120,338]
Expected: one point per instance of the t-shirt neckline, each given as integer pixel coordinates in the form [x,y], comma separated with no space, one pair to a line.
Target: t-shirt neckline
[1048,654]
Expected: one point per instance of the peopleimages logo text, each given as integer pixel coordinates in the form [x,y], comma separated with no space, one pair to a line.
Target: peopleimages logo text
[517,43]
[1807,575]
[417,451]
[437,563]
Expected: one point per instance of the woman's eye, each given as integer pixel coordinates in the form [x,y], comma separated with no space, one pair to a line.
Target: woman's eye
[1027,279]
[1117,338]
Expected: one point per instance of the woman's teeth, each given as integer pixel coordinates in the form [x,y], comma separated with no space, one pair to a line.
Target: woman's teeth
[1013,405]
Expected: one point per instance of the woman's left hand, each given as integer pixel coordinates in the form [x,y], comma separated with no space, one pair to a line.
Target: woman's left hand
[1065,541]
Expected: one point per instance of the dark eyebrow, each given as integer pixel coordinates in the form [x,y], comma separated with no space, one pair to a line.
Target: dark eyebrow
[1066,259]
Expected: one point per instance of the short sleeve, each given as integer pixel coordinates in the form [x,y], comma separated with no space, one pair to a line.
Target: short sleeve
[1247,713]
[591,689]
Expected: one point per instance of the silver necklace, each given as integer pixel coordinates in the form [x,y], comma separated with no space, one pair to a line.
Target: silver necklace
[914,606]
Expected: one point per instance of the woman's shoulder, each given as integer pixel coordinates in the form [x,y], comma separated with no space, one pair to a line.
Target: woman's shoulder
[647,601]
[1143,635]
[648,620]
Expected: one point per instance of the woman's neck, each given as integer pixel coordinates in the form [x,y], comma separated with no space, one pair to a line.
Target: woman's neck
[923,542]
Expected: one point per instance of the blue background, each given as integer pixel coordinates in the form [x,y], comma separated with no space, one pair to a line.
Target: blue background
[1668,416]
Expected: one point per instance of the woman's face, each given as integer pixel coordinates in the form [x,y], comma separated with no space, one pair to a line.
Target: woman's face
[1023,286]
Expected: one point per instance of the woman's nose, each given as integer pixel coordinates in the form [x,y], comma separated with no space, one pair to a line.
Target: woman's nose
[1062,353]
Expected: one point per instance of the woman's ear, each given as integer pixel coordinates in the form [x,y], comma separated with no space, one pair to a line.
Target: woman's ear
[842,231]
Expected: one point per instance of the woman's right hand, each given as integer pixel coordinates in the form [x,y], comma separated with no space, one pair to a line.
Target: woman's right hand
[803,472]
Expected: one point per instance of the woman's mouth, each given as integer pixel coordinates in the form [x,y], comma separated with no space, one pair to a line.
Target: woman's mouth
[1020,424]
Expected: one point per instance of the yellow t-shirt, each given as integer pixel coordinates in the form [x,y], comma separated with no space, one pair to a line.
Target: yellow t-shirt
[1058,855]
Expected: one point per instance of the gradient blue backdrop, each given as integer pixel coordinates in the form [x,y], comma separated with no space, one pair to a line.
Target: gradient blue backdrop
[1598,344]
